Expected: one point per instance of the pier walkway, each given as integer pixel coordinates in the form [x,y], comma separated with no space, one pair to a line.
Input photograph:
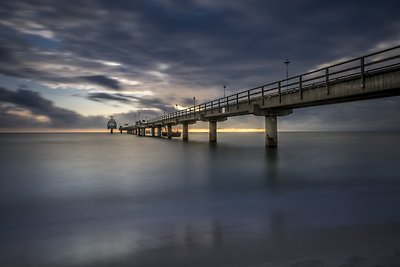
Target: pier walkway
[370,76]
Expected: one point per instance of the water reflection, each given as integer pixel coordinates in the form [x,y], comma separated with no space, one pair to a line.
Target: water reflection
[278,225]
[271,169]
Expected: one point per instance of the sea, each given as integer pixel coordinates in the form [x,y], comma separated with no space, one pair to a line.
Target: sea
[100,199]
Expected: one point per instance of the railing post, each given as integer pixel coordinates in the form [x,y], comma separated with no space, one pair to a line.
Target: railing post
[279,92]
[262,95]
[219,105]
[227,103]
[362,65]
[301,86]
[248,97]
[212,107]
[327,80]
[237,101]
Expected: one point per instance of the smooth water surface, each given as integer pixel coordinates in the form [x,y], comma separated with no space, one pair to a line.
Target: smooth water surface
[123,200]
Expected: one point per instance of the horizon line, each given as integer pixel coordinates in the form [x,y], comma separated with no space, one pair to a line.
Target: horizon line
[199,130]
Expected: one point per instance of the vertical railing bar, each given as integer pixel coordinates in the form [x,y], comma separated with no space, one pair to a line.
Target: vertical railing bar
[262,94]
[362,65]
[280,91]
[301,86]
[327,80]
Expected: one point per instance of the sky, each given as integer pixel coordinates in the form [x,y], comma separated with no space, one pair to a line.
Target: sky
[71,64]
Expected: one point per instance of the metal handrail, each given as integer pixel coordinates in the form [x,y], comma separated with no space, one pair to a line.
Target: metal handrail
[292,84]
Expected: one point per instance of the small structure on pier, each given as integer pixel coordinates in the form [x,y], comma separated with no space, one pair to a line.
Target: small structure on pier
[111,124]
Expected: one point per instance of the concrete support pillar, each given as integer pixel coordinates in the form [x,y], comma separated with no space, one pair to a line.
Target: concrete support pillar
[153,131]
[135,131]
[271,131]
[143,131]
[159,131]
[212,128]
[169,131]
[185,131]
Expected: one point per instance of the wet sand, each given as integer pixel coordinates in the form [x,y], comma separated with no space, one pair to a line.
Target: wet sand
[355,246]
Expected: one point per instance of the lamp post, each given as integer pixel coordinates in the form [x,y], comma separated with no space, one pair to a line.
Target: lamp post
[194,101]
[224,89]
[287,71]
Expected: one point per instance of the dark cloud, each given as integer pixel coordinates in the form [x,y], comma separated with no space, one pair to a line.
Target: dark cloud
[106,96]
[5,55]
[23,100]
[205,42]
[142,103]
[103,80]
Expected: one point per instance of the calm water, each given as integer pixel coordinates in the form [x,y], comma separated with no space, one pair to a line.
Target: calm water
[114,200]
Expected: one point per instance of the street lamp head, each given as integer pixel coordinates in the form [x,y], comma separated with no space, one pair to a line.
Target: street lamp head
[224,89]
[287,62]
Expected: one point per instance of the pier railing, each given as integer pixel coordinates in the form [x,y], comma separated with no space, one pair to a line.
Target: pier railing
[359,67]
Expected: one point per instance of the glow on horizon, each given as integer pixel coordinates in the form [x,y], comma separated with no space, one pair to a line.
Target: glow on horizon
[25,113]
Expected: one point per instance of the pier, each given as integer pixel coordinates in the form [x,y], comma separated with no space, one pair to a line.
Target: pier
[370,76]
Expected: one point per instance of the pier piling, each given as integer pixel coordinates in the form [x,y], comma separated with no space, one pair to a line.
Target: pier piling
[185,131]
[212,128]
[271,131]
[169,131]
